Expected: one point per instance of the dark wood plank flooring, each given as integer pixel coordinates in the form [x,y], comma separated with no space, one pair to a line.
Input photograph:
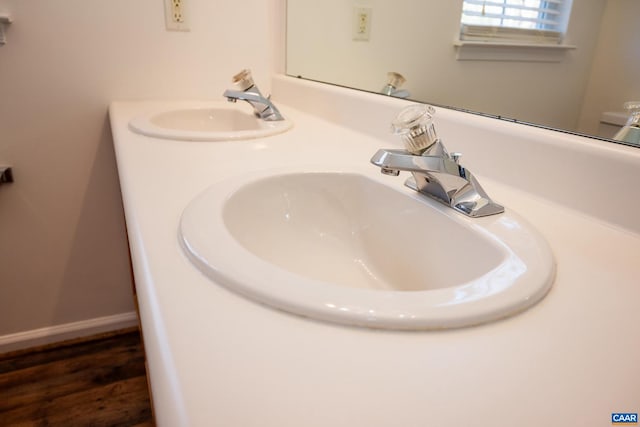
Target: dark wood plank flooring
[91,382]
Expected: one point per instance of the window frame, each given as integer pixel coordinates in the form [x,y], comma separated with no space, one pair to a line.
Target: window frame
[506,43]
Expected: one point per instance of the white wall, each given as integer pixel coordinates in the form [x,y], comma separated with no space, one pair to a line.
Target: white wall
[415,38]
[63,250]
[615,74]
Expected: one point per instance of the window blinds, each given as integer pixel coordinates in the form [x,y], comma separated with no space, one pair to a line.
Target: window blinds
[526,21]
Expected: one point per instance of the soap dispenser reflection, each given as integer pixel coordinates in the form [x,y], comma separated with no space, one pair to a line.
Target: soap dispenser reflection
[631,131]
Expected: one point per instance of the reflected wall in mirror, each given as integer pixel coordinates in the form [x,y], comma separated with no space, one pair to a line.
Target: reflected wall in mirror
[570,90]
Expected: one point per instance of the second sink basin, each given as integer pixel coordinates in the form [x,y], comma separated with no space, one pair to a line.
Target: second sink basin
[214,121]
[347,248]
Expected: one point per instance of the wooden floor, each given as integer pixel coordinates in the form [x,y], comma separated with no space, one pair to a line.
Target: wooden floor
[100,382]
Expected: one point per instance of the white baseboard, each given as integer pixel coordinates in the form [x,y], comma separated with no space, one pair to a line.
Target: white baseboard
[67,331]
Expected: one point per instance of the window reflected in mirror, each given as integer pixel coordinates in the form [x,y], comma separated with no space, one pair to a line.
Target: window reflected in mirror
[576,82]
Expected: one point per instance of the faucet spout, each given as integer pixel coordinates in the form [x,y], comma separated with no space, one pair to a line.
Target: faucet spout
[441,178]
[262,107]
[402,160]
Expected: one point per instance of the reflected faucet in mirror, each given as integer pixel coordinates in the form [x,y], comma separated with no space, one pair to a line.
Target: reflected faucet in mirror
[631,131]
[249,92]
[436,173]
[392,88]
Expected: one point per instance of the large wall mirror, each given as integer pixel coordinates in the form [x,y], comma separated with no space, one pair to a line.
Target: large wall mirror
[579,86]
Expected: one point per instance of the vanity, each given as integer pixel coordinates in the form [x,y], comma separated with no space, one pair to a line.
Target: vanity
[221,354]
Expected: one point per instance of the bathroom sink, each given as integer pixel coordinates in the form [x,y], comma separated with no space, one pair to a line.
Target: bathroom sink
[213,121]
[347,248]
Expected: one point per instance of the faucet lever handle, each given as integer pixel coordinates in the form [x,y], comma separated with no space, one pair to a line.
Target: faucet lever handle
[415,125]
[243,80]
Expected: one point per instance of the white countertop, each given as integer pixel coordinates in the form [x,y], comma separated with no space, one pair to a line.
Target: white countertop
[216,358]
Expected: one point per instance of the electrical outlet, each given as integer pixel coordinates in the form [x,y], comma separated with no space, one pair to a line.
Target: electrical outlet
[361,23]
[176,15]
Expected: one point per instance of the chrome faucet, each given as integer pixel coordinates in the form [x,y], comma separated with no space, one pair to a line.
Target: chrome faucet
[249,92]
[436,173]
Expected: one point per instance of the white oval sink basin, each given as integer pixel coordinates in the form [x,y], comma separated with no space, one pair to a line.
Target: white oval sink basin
[347,248]
[220,121]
